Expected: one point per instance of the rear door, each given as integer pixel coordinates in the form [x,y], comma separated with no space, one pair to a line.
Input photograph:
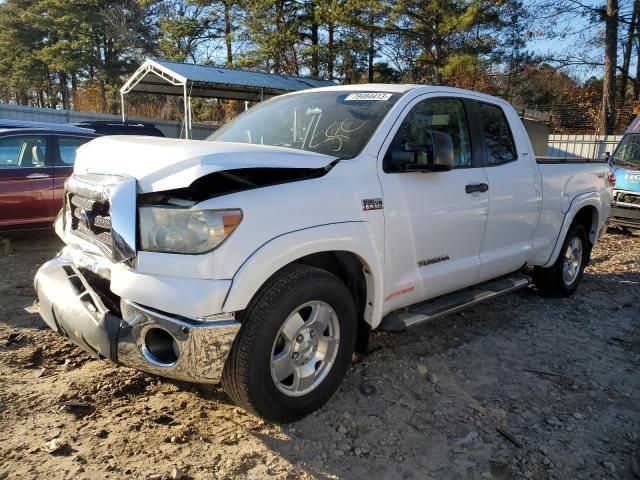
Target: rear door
[26,180]
[66,149]
[515,192]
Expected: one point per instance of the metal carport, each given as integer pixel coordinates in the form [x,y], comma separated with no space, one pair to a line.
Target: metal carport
[189,80]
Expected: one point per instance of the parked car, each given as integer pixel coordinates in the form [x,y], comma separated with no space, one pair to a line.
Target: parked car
[265,256]
[625,165]
[34,163]
[122,128]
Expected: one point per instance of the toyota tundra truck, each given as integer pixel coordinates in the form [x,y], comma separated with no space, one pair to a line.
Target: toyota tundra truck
[263,257]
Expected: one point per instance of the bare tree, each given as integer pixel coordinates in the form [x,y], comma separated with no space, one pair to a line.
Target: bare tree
[608,115]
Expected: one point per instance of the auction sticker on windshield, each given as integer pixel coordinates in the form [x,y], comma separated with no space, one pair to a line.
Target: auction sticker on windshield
[367,96]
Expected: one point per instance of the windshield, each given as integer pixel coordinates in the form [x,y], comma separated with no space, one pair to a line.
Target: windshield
[627,155]
[334,123]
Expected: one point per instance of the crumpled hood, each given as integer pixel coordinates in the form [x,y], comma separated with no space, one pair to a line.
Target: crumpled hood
[627,179]
[164,164]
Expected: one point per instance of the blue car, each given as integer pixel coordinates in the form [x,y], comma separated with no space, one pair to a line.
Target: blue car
[625,166]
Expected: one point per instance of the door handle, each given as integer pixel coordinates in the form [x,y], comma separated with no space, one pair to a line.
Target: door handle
[479,187]
[38,175]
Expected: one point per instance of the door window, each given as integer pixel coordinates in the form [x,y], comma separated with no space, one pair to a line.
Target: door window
[23,152]
[497,135]
[68,148]
[446,115]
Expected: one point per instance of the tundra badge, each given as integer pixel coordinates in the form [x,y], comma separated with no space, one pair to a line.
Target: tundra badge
[431,261]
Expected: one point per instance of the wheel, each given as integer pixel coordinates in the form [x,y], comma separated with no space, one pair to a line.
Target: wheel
[563,277]
[294,345]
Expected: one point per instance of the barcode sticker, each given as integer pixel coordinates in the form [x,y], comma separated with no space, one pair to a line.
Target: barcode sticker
[376,96]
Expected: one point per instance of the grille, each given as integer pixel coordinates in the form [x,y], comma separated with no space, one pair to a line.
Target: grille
[627,199]
[91,219]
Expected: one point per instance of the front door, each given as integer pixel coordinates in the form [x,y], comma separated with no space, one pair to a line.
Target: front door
[26,181]
[434,221]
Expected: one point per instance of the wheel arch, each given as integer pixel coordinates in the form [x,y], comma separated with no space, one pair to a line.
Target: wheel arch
[584,209]
[345,250]
[588,217]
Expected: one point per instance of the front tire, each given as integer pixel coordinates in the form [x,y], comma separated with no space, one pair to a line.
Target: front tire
[563,277]
[294,346]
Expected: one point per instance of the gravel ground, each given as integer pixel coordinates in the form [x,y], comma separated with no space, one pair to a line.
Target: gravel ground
[520,387]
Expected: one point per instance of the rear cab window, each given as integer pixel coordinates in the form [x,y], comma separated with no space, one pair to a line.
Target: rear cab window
[499,145]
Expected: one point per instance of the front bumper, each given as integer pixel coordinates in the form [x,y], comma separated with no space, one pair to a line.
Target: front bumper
[72,304]
[625,209]
[625,216]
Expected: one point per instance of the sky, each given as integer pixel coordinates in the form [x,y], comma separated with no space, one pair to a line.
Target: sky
[580,38]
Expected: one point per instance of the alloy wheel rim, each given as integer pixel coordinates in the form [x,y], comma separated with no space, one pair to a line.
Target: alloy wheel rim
[305,348]
[572,261]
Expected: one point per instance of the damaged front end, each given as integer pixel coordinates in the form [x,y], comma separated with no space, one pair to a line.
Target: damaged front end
[226,182]
[76,303]
[93,293]
[79,299]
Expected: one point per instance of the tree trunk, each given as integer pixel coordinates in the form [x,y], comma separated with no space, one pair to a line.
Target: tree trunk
[372,52]
[330,60]
[608,118]
[64,90]
[227,33]
[74,87]
[315,57]
[372,46]
[626,61]
[437,70]
[103,96]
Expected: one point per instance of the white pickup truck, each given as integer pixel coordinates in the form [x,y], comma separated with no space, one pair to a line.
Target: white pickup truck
[264,256]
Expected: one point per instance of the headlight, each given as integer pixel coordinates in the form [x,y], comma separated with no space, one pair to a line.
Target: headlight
[185,230]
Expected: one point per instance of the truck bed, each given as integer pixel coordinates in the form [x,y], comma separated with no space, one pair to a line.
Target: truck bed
[562,182]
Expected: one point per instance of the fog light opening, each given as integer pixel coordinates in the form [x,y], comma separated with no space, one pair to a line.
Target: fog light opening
[160,347]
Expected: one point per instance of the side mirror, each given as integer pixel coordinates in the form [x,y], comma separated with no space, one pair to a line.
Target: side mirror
[435,156]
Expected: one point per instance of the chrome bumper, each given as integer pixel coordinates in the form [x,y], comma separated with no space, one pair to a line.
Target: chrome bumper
[158,343]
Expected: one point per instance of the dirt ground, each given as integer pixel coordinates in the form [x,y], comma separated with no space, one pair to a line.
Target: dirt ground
[520,387]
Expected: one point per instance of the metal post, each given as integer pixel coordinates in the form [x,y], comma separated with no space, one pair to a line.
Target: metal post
[261,94]
[190,119]
[123,108]
[246,105]
[186,112]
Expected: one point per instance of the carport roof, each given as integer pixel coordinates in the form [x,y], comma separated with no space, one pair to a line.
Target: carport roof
[172,78]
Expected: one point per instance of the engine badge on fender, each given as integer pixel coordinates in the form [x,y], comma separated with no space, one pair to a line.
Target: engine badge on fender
[372,204]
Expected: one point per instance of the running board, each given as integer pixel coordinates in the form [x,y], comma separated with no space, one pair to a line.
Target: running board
[421,313]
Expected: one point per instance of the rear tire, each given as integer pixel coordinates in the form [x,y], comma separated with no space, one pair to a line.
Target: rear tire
[304,321]
[563,277]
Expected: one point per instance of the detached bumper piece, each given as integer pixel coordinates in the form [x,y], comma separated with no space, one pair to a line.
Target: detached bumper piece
[139,337]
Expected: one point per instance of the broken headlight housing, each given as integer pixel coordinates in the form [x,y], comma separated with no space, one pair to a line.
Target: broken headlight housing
[184,230]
